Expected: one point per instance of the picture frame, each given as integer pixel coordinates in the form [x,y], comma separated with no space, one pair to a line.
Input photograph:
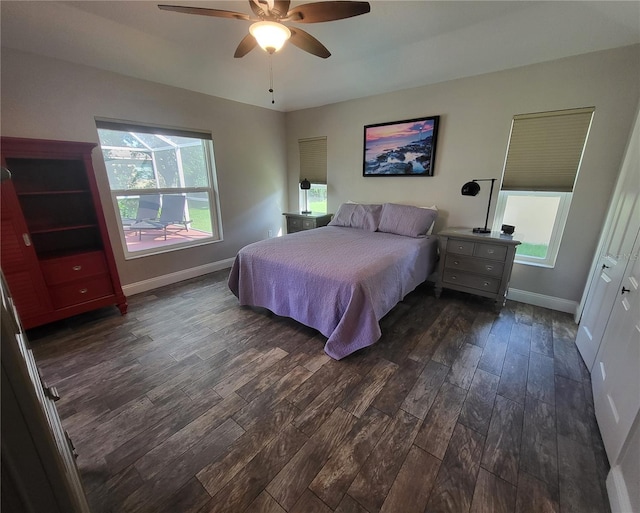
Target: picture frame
[401,148]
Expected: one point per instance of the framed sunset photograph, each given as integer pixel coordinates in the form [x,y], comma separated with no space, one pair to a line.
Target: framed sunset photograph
[401,148]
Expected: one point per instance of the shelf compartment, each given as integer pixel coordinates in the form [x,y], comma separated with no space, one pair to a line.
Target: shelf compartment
[51,244]
[52,212]
[47,175]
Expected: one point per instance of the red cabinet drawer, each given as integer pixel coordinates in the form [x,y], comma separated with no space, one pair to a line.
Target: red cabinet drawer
[81,291]
[76,267]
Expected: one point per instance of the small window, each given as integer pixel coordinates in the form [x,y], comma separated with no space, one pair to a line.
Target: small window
[539,218]
[543,159]
[316,199]
[163,185]
[313,167]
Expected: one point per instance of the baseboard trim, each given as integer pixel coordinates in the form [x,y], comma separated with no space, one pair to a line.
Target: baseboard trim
[522,296]
[168,279]
[553,303]
[617,491]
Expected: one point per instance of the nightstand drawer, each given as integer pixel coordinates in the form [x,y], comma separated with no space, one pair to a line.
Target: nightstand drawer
[492,251]
[460,247]
[294,224]
[473,281]
[474,265]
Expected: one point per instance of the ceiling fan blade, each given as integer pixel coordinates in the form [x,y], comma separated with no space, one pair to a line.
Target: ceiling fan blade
[216,13]
[281,8]
[327,11]
[247,44]
[261,10]
[308,43]
[276,11]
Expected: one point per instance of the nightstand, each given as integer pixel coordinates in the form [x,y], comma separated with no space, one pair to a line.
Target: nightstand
[299,222]
[477,263]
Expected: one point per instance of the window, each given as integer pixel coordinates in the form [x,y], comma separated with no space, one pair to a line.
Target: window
[163,185]
[539,218]
[543,159]
[315,198]
[313,167]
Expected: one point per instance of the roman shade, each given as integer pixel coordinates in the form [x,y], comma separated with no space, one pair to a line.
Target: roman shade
[313,159]
[545,150]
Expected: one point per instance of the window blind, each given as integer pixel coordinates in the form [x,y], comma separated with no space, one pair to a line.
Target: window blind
[313,159]
[545,150]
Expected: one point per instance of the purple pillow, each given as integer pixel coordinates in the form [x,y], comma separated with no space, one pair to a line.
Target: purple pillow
[406,220]
[356,215]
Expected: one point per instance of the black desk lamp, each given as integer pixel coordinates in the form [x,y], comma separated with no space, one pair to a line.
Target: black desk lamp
[305,185]
[472,188]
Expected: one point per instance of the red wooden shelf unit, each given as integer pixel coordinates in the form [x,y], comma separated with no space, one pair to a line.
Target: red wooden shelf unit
[55,251]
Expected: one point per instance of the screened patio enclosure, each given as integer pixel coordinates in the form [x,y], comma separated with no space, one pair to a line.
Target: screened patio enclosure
[147,166]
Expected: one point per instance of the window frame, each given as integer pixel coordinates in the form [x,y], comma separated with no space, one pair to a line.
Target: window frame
[556,233]
[543,158]
[211,190]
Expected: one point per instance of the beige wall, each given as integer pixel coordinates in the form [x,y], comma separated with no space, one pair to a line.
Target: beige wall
[50,99]
[475,118]
[257,159]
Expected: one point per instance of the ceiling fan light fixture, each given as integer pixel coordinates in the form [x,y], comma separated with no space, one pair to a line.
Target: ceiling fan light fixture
[270,35]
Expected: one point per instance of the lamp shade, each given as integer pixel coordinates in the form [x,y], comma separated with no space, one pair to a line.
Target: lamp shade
[270,35]
[470,189]
[305,184]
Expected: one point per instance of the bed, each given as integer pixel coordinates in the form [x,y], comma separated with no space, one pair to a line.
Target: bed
[343,278]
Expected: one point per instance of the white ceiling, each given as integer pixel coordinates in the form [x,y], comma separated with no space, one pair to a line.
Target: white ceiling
[398,45]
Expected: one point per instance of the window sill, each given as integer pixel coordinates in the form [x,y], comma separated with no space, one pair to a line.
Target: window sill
[533,264]
[132,255]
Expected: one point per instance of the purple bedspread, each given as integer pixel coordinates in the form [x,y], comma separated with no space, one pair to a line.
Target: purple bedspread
[340,281]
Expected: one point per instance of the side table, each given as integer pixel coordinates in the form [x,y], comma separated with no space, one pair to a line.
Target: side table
[297,222]
[477,263]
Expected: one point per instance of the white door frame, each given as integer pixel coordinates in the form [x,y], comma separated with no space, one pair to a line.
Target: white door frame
[606,229]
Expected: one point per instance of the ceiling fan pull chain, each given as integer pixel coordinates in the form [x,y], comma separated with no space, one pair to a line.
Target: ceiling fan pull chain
[271,79]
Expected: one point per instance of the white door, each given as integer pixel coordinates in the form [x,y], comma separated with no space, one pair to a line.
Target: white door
[616,375]
[622,231]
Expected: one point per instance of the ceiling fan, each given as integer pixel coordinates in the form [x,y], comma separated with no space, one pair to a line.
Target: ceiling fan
[268,29]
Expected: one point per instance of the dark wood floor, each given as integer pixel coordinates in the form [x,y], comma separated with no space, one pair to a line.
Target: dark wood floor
[191,403]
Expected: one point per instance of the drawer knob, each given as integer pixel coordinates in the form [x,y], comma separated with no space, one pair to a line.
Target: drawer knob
[454,277]
[486,283]
[77,267]
[83,291]
[460,247]
[455,262]
[490,251]
[489,268]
